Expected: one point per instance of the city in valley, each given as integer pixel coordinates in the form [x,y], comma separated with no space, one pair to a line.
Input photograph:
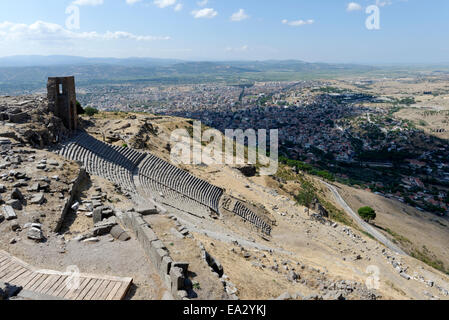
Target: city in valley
[383,135]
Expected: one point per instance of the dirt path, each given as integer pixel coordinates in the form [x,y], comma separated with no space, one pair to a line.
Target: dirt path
[365,226]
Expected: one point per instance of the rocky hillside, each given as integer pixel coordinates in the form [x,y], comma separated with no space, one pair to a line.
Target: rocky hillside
[311,254]
[319,251]
[28,120]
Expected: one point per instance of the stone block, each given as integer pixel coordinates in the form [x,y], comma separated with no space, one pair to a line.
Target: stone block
[176,233]
[38,199]
[19,117]
[405,276]
[182,294]
[97,203]
[166,265]
[16,194]
[147,210]
[160,254]
[177,279]
[98,215]
[9,213]
[154,247]
[137,221]
[183,265]
[15,204]
[120,217]
[35,234]
[125,218]
[101,230]
[146,236]
[112,221]
[158,244]
[118,233]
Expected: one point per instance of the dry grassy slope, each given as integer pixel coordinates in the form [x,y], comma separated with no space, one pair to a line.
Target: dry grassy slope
[418,113]
[429,118]
[411,229]
[306,241]
[414,230]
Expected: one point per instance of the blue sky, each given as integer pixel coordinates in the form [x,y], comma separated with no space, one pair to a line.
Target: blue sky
[411,31]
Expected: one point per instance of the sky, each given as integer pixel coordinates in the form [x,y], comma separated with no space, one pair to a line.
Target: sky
[335,31]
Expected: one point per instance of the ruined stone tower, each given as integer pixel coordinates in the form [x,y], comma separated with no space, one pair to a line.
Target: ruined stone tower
[62,100]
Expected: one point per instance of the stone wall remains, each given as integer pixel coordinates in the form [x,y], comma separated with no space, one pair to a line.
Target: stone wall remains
[172,273]
[75,188]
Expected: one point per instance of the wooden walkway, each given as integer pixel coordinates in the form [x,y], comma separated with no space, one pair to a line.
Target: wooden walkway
[53,283]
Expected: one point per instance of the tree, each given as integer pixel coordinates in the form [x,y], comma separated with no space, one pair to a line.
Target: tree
[91,111]
[367,213]
[306,196]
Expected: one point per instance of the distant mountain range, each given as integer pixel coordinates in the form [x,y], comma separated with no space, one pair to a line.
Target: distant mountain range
[62,60]
[59,60]
[27,73]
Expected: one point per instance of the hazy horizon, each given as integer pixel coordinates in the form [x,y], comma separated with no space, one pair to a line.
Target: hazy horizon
[180,60]
[329,31]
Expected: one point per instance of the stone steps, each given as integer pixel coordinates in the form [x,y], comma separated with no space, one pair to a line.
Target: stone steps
[117,164]
[241,210]
[156,179]
[181,181]
[103,160]
[171,197]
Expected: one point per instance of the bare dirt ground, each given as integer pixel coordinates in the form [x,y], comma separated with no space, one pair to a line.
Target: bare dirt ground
[187,250]
[413,229]
[60,250]
[305,241]
[432,119]
[121,259]
[431,94]
[302,240]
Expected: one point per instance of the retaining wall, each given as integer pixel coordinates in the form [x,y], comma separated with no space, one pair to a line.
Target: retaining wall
[74,190]
[172,273]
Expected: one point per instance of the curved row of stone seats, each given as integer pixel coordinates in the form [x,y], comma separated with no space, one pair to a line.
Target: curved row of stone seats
[241,210]
[181,181]
[165,195]
[112,172]
[122,156]
[159,179]
[179,188]
[97,163]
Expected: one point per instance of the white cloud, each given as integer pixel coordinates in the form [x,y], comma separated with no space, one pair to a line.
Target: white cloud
[202,3]
[207,13]
[126,35]
[240,49]
[131,2]
[298,23]
[164,3]
[178,7]
[88,2]
[239,15]
[46,31]
[353,6]
[384,3]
